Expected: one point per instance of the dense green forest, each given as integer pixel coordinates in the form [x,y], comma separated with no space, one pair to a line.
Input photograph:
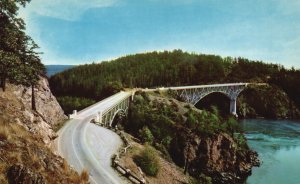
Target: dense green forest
[170,68]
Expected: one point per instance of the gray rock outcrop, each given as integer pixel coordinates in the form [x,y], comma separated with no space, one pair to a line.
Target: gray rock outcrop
[16,102]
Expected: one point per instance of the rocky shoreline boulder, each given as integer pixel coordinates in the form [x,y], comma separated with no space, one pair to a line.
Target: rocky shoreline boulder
[218,157]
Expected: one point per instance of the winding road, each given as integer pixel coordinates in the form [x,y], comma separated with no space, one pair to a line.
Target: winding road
[88,146]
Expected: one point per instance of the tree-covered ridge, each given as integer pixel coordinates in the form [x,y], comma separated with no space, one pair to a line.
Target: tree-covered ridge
[167,68]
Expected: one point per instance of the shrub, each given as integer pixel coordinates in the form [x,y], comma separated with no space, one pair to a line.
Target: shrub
[138,99]
[191,120]
[4,132]
[172,94]
[240,141]
[193,181]
[84,176]
[166,141]
[232,125]
[203,179]
[146,135]
[148,161]
[65,165]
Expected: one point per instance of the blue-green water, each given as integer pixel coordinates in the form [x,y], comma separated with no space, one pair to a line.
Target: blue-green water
[278,146]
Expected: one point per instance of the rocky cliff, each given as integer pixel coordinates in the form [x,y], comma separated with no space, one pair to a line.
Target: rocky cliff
[206,145]
[266,101]
[15,105]
[25,156]
[218,157]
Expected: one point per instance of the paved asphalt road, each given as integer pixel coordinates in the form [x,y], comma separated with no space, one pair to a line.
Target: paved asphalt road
[88,146]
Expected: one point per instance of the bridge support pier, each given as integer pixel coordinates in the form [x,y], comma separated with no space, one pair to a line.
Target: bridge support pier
[132,95]
[99,117]
[233,107]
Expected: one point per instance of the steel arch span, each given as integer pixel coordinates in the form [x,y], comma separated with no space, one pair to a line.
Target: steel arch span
[193,94]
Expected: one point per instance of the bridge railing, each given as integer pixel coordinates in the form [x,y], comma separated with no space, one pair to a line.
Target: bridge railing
[116,104]
[208,86]
[104,117]
[195,86]
[89,107]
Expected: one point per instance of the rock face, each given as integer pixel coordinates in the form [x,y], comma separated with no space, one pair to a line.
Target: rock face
[46,104]
[205,145]
[16,102]
[24,156]
[220,158]
[217,157]
[266,101]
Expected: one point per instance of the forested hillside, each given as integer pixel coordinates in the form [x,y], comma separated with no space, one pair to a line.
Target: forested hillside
[99,80]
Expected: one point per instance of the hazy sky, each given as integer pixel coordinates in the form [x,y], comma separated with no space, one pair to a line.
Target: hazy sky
[83,31]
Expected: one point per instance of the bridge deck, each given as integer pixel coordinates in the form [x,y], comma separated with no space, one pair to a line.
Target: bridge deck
[196,86]
[105,104]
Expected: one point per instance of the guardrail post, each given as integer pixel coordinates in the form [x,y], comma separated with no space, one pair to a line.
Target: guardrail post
[132,95]
[71,116]
[100,116]
[127,172]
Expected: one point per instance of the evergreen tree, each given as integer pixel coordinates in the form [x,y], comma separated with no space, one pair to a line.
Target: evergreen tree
[19,62]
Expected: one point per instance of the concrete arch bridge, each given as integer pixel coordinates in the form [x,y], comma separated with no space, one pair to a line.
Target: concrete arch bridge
[116,104]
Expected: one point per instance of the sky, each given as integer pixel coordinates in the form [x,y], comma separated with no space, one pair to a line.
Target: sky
[86,31]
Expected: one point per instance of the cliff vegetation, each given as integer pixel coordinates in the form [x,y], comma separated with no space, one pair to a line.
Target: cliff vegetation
[208,147]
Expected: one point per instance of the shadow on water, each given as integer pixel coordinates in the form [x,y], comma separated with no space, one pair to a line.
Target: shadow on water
[278,145]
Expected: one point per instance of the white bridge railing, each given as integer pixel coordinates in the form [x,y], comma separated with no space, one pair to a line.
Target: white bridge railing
[107,116]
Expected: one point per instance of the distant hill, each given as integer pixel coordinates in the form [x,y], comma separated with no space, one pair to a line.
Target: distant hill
[54,69]
[155,69]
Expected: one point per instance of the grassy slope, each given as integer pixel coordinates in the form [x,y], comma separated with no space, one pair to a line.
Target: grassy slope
[20,147]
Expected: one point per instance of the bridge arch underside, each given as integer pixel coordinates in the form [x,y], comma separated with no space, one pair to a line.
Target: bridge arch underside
[218,99]
[118,117]
[193,96]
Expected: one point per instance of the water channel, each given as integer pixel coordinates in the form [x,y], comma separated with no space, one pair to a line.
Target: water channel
[278,145]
